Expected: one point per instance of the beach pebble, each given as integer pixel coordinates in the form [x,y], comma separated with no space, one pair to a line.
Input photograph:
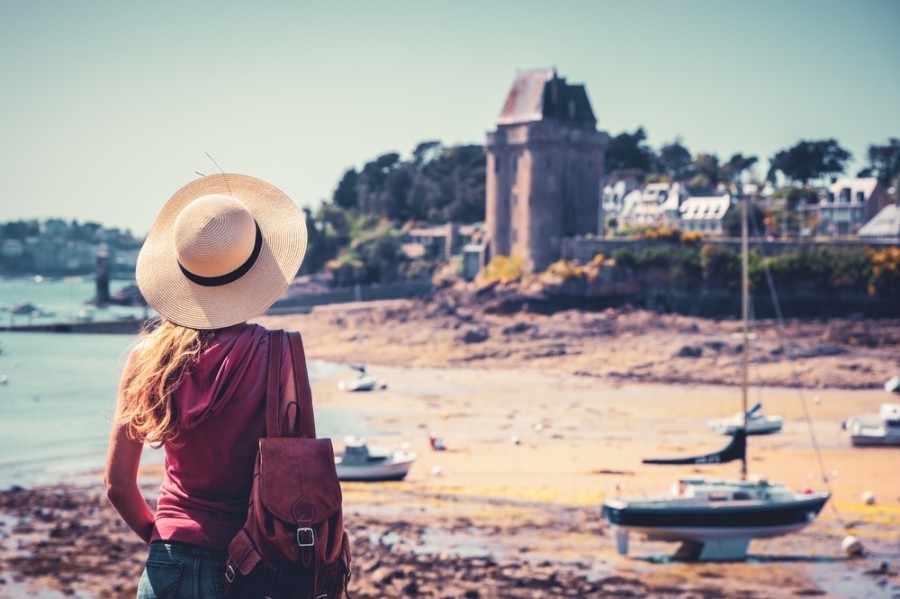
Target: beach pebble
[514,440]
[436,470]
[868,498]
[538,427]
[852,546]
[816,399]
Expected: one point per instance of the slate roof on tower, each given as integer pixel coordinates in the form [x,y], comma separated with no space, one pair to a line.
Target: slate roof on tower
[540,94]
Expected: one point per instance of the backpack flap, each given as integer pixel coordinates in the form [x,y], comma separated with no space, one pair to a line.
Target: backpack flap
[298,480]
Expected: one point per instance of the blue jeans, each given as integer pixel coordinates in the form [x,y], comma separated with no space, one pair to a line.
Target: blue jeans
[182,571]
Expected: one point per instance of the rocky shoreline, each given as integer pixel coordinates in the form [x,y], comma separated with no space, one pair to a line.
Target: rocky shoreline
[70,541]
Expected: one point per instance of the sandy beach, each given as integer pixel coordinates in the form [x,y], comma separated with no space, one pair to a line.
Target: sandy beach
[543,417]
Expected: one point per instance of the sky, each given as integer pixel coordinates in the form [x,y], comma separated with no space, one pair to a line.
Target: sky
[107,108]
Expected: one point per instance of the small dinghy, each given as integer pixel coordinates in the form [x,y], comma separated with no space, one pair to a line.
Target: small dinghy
[362,382]
[360,462]
[756,423]
[871,430]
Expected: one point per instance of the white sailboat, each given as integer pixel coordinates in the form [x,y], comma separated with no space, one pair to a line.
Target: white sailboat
[363,381]
[716,519]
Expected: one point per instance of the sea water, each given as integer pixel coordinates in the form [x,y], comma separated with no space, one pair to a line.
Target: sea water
[58,300]
[58,393]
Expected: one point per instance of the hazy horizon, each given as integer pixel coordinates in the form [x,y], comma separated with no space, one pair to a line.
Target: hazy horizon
[109,108]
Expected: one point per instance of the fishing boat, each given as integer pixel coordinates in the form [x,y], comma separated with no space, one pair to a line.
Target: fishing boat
[871,430]
[753,421]
[360,462]
[715,519]
[362,382]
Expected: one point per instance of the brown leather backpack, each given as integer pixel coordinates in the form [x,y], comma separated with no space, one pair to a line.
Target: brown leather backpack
[293,543]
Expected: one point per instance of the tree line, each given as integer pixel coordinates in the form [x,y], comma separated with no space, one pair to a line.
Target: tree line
[629,155]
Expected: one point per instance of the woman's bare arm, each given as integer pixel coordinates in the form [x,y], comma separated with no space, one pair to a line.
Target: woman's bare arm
[121,472]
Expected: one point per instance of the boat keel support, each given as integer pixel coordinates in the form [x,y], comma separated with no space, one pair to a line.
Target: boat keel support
[714,550]
[622,542]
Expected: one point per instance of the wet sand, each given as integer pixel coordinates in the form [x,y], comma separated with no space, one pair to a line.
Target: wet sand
[540,427]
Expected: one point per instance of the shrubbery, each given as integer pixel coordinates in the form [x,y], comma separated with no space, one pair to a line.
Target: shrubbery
[821,270]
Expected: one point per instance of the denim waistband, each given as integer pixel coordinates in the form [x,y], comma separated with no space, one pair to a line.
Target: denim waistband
[185,548]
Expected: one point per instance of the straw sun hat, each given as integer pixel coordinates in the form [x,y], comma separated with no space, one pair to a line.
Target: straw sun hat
[222,250]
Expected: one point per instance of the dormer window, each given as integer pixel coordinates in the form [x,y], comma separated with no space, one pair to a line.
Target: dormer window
[860,197]
[845,195]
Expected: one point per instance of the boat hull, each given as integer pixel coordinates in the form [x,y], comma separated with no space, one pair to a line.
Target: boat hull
[875,440]
[711,532]
[701,522]
[377,469]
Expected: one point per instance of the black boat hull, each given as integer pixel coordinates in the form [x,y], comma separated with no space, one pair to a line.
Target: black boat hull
[746,516]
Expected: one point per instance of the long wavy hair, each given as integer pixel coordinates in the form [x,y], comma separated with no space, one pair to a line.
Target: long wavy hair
[147,410]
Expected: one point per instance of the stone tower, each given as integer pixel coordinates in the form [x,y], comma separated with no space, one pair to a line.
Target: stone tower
[544,169]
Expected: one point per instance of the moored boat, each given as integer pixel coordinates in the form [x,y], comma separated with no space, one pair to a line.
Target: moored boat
[360,462]
[716,519]
[755,423]
[870,430]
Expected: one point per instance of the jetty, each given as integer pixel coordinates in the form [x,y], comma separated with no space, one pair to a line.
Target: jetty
[130,326]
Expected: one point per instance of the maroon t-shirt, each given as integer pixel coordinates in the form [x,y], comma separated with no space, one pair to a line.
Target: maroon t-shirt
[221,404]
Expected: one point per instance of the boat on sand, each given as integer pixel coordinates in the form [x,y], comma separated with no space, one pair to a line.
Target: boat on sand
[755,423]
[716,519]
[360,462]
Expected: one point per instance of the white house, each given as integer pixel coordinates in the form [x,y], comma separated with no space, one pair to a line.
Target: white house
[850,203]
[657,204]
[704,213]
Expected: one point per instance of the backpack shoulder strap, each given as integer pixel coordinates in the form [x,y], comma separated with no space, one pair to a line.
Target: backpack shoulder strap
[306,427]
[273,384]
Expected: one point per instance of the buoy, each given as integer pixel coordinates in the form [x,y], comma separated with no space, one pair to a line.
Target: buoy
[852,546]
[868,498]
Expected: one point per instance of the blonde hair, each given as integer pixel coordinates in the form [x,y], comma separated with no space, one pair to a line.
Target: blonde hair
[146,408]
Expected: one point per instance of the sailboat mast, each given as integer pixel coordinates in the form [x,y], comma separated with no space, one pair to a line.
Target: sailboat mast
[745,316]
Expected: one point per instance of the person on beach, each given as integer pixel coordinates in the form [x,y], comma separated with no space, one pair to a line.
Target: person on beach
[222,250]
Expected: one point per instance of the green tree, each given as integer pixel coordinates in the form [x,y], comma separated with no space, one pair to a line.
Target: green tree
[884,161]
[346,194]
[704,172]
[372,180]
[731,171]
[628,153]
[674,160]
[808,160]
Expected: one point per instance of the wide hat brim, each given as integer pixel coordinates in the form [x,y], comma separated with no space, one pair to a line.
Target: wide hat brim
[189,304]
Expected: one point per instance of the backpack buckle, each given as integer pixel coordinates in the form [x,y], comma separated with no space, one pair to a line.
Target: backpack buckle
[229,574]
[306,537]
